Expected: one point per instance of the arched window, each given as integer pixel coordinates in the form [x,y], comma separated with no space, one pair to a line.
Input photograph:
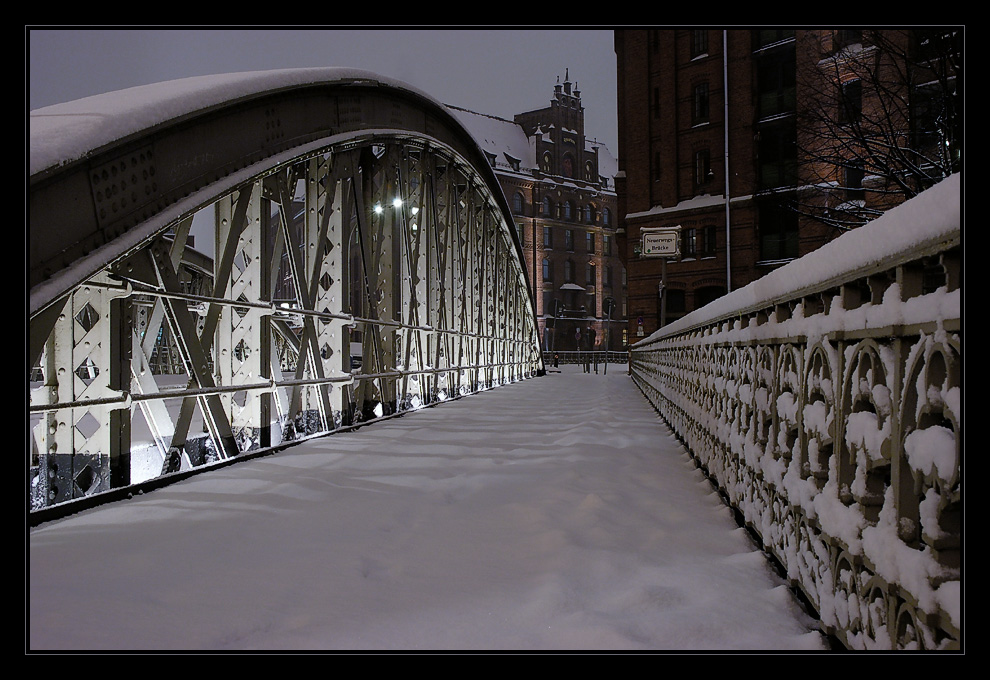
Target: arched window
[568,210]
[589,213]
[517,203]
[547,207]
[567,169]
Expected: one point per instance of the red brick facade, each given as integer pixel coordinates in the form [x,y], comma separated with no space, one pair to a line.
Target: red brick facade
[707,137]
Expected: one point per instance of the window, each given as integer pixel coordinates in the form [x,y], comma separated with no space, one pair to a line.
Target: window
[704,296]
[765,37]
[590,275]
[568,240]
[589,214]
[778,231]
[547,237]
[568,166]
[606,244]
[547,164]
[568,271]
[689,243]
[568,210]
[851,102]
[607,281]
[589,242]
[700,111]
[547,270]
[517,203]
[699,43]
[846,36]
[549,308]
[776,83]
[709,245]
[702,167]
[854,182]
[589,171]
[777,148]
[607,216]
[547,207]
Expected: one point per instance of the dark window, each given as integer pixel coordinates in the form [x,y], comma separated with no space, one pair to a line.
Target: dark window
[708,245]
[675,301]
[547,237]
[777,149]
[700,111]
[776,83]
[568,240]
[699,43]
[607,216]
[590,275]
[547,207]
[606,244]
[778,232]
[854,183]
[851,103]
[517,203]
[703,296]
[765,37]
[547,270]
[589,241]
[569,271]
[702,167]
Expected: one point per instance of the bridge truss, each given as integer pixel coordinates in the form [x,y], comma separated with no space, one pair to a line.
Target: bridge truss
[365,264]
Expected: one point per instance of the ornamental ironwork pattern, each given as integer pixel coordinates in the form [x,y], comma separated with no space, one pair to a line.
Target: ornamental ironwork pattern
[836,435]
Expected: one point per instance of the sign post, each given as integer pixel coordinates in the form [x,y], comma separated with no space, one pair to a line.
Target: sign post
[661,242]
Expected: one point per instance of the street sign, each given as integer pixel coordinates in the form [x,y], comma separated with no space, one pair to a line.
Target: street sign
[661,241]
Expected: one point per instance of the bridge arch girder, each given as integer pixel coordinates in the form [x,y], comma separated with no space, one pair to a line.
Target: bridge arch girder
[326,303]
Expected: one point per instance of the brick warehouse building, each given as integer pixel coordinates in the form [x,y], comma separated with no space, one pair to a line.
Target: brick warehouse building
[560,186]
[710,127]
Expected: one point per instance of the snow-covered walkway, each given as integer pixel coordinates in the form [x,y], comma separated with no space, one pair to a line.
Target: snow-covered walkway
[554,514]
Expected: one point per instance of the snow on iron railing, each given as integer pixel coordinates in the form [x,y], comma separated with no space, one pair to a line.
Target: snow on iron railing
[824,401]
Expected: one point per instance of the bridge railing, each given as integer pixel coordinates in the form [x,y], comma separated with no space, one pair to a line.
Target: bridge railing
[824,401]
[359,271]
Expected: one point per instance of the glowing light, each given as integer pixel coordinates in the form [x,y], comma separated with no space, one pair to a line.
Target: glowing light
[378,208]
[415,210]
[379,410]
[396,202]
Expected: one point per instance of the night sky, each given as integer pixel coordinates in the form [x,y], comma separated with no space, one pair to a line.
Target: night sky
[497,71]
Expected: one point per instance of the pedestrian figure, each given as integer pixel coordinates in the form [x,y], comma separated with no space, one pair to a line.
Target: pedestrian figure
[556,360]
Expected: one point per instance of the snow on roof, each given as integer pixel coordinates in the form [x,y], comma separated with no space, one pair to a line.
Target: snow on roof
[503,139]
[62,133]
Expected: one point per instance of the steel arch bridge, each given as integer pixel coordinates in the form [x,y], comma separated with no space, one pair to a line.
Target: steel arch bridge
[364,264]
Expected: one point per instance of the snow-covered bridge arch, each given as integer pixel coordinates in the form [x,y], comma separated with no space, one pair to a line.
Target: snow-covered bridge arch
[354,258]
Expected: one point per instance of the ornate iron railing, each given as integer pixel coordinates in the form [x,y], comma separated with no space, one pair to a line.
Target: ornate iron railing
[824,402]
[365,265]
